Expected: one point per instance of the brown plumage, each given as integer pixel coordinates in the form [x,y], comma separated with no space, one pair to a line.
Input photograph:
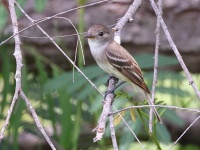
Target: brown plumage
[116,60]
[127,66]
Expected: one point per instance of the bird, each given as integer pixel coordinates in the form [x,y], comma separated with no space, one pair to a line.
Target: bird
[116,60]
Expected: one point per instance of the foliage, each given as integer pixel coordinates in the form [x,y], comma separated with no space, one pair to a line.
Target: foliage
[61,102]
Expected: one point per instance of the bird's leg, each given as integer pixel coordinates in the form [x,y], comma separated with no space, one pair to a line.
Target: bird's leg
[112,90]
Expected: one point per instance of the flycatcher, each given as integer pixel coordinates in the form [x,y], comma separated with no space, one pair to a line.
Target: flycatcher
[116,60]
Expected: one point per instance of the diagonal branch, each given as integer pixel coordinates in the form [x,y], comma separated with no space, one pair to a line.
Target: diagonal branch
[184,132]
[125,19]
[58,47]
[36,119]
[56,15]
[174,48]
[18,88]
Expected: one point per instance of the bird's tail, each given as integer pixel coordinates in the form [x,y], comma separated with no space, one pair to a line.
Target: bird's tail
[154,109]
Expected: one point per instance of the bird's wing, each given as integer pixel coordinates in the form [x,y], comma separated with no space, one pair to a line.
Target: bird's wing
[120,59]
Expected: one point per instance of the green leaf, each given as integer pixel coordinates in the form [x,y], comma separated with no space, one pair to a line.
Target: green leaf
[162,134]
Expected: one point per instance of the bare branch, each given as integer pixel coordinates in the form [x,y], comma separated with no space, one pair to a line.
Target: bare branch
[18,88]
[36,119]
[112,131]
[129,128]
[56,45]
[184,132]
[18,58]
[157,32]
[174,48]
[125,19]
[162,106]
[47,18]
[79,39]
[107,103]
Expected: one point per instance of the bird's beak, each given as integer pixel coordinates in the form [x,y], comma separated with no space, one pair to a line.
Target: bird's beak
[89,36]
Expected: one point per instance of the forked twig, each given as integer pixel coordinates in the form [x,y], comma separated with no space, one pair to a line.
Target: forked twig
[174,48]
[18,88]
[47,18]
[125,19]
[58,47]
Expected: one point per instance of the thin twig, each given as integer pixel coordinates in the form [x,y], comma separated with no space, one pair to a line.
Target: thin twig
[174,48]
[36,119]
[157,32]
[75,55]
[125,19]
[53,37]
[18,89]
[112,131]
[79,39]
[129,129]
[184,132]
[18,58]
[47,18]
[69,59]
[162,106]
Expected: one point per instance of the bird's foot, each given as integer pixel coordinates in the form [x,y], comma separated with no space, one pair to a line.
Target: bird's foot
[112,77]
[113,89]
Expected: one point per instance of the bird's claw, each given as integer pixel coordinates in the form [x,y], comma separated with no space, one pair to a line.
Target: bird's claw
[112,77]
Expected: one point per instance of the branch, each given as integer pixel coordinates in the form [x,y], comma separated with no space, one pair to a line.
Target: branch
[128,128]
[112,131]
[162,106]
[18,58]
[56,45]
[100,129]
[174,48]
[36,119]
[18,88]
[157,32]
[47,18]
[125,19]
[184,132]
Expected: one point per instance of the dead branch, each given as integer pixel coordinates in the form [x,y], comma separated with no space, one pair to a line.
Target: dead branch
[174,48]
[107,103]
[157,32]
[18,88]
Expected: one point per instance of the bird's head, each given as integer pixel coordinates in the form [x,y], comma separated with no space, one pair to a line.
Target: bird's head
[98,33]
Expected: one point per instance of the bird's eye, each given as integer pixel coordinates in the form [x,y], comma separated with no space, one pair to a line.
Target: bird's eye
[100,33]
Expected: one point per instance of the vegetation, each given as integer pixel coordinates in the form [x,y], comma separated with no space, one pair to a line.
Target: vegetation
[72,108]
[75,106]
